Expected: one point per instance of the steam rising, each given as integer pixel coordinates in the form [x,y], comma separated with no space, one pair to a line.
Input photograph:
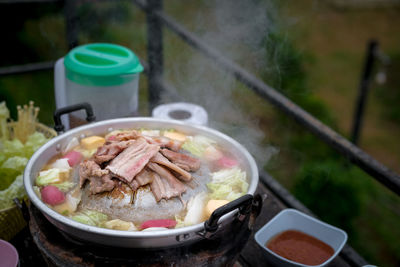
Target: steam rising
[237,30]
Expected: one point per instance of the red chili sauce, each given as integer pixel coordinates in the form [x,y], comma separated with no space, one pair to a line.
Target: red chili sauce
[300,247]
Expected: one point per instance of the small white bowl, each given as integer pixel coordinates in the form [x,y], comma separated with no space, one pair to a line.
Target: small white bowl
[291,219]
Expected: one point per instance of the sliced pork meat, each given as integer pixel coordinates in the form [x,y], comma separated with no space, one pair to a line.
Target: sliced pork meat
[163,141]
[142,178]
[165,185]
[99,180]
[124,136]
[134,185]
[110,150]
[135,160]
[89,168]
[158,188]
[145,177]
[101,184]
[161,160]
[132,160]
[183,161]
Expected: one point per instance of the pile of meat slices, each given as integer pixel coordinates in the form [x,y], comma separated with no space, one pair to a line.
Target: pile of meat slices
[139,160]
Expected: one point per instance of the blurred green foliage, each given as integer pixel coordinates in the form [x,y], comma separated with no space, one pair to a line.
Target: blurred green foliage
[286,73]
[95,20]
[389,92]
[31,34]
[322,175]
[16,46]
[20,89]
[333,190]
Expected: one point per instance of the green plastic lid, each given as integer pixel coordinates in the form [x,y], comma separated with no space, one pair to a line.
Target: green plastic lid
[101,64]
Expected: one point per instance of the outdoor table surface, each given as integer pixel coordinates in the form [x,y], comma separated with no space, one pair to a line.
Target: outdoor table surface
[251,255]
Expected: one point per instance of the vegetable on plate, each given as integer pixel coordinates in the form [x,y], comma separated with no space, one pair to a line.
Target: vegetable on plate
[18,141]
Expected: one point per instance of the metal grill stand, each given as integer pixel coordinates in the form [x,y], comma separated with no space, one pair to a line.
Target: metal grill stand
[60,250]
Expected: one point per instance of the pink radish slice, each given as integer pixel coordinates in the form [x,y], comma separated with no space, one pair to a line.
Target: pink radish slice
[74,157]
[52,195]
[167,223]
[226,162]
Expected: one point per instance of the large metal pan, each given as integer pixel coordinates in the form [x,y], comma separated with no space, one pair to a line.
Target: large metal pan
[220,218]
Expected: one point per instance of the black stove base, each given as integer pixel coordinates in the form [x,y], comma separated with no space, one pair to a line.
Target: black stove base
[57,250]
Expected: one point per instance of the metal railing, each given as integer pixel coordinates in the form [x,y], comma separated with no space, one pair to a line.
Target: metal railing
[156,20]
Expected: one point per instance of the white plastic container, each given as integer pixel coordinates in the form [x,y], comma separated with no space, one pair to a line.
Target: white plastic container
[291,219]
[104,75]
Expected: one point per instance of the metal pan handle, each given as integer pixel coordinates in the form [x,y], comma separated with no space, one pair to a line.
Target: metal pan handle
[59,127]
[244,204]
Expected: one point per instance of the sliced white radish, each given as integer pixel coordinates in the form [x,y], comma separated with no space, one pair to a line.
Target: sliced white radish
[195,212]
[61,164]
